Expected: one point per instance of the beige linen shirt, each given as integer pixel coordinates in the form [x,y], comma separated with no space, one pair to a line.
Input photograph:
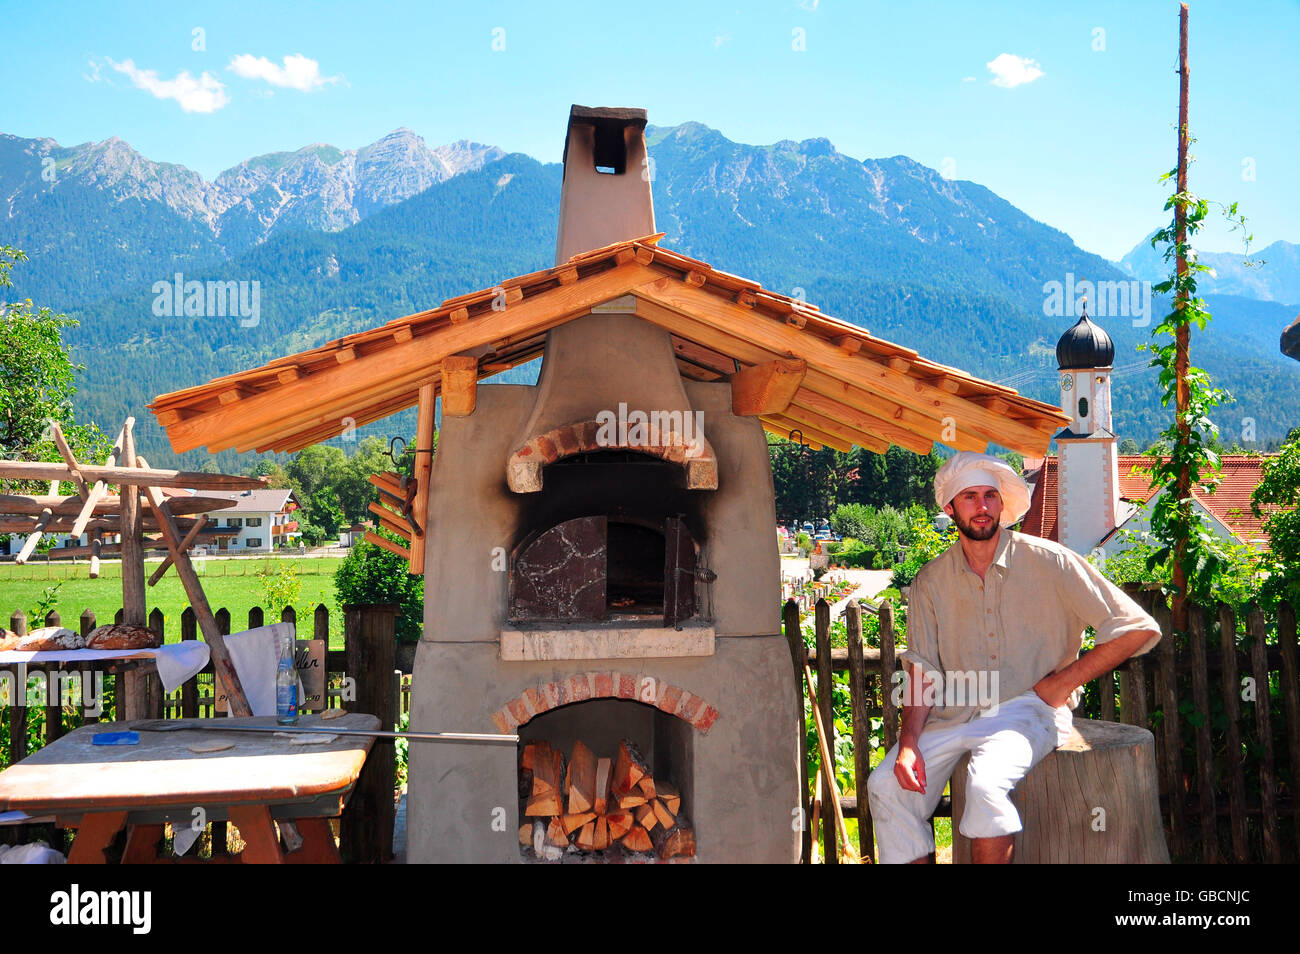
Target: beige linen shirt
[1024,620]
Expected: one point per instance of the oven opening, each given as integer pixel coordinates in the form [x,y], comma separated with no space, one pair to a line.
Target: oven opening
[634,580]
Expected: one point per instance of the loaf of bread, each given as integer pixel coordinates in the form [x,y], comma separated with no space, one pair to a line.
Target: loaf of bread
[123,637]
[49,638]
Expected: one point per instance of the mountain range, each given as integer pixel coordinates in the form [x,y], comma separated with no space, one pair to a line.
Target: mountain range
[343,240]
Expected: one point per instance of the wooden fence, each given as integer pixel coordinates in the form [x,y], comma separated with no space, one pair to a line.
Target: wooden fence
[1228,763]
[368,639]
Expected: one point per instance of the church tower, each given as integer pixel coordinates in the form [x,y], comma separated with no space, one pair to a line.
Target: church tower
[1088,504]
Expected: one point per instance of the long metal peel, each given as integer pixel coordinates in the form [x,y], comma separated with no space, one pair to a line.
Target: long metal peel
[168,725]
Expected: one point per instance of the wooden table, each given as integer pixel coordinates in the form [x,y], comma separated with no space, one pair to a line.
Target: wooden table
[100,789]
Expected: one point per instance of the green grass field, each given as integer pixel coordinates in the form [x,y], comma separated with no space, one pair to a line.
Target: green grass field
[232,584]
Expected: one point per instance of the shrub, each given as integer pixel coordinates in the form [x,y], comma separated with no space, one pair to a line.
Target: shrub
[371,574]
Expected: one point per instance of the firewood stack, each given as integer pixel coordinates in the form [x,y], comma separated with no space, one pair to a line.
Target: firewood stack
[590,804]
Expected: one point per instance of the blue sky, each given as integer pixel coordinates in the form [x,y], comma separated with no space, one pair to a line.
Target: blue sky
[1067,110]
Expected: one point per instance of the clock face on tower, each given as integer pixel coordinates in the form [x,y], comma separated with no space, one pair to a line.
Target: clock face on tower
[1067,383]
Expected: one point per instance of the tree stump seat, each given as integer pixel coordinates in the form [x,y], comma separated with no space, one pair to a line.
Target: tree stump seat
[1095,800]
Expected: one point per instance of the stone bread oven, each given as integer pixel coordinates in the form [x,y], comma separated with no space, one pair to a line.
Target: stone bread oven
[600,567]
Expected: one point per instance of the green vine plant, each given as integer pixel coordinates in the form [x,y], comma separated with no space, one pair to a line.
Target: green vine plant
[1190,446]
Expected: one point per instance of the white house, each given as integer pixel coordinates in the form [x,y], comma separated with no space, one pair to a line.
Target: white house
[260,521]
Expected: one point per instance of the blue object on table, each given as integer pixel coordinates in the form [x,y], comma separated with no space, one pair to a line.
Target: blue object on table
[117,738]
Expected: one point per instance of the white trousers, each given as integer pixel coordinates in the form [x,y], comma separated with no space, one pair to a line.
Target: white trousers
[1003,748]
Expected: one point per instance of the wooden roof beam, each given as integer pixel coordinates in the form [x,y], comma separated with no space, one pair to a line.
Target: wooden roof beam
[827,425]
[387,374]
[40,470]
[766,388]
[923,424]
[879,427]
[459,385]
[785,430]
[785,426]
[776,336]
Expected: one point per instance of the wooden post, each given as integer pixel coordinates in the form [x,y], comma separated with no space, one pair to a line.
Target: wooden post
[1170,752]
[1286,640]
[133,704]
[1232,711]
[799,655]
[1183,487]
[87,627]
[423,468]
[194,590]
[366,831]
[822,629]
[1264,727]
[18,713]
[190,690]
[861,728]
[887,667]
[1204,747]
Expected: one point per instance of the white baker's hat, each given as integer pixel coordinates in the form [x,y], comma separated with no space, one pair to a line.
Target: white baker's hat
[971,469]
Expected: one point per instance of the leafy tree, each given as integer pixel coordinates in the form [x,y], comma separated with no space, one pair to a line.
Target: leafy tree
[852,520]
[371,574]
[37,382]
[1280,487]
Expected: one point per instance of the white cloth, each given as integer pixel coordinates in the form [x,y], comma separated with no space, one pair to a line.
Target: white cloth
[255,653]
[971,469]
[37,853]
[1004,746]
[176,662]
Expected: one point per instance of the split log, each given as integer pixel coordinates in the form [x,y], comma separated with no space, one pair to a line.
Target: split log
[629,768]
[572,823]
[669,795]
[662,813]
[556,835]
[603,769]
[1092,801]
[647,787]
[646,817]
[675,842]
[587,836]
[542,805]
[620,823]
[600,840]
[526,834]
[637,839]
[627,802]
[545,775]
[581,783]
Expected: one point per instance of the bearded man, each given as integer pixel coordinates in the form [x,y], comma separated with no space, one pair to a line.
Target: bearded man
[992,666]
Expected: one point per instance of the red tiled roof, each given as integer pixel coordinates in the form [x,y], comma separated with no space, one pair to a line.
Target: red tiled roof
[1040,519]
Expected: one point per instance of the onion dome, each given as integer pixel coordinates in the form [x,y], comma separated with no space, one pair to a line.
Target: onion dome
[1085,346]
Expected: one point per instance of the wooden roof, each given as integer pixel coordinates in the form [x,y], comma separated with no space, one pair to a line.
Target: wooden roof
[858,389]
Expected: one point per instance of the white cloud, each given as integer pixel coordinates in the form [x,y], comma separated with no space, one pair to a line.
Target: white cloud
[721,39]
[206,94]
[1010,70]
[968,79]
[298,72]
[809,5]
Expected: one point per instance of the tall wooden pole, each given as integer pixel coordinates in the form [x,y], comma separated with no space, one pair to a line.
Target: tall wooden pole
[133,701]
[1183,487]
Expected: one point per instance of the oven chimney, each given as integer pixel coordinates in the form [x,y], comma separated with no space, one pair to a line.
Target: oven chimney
[606,194]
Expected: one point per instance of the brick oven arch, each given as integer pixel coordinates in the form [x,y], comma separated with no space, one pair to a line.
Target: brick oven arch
[524,468]
[586,686]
